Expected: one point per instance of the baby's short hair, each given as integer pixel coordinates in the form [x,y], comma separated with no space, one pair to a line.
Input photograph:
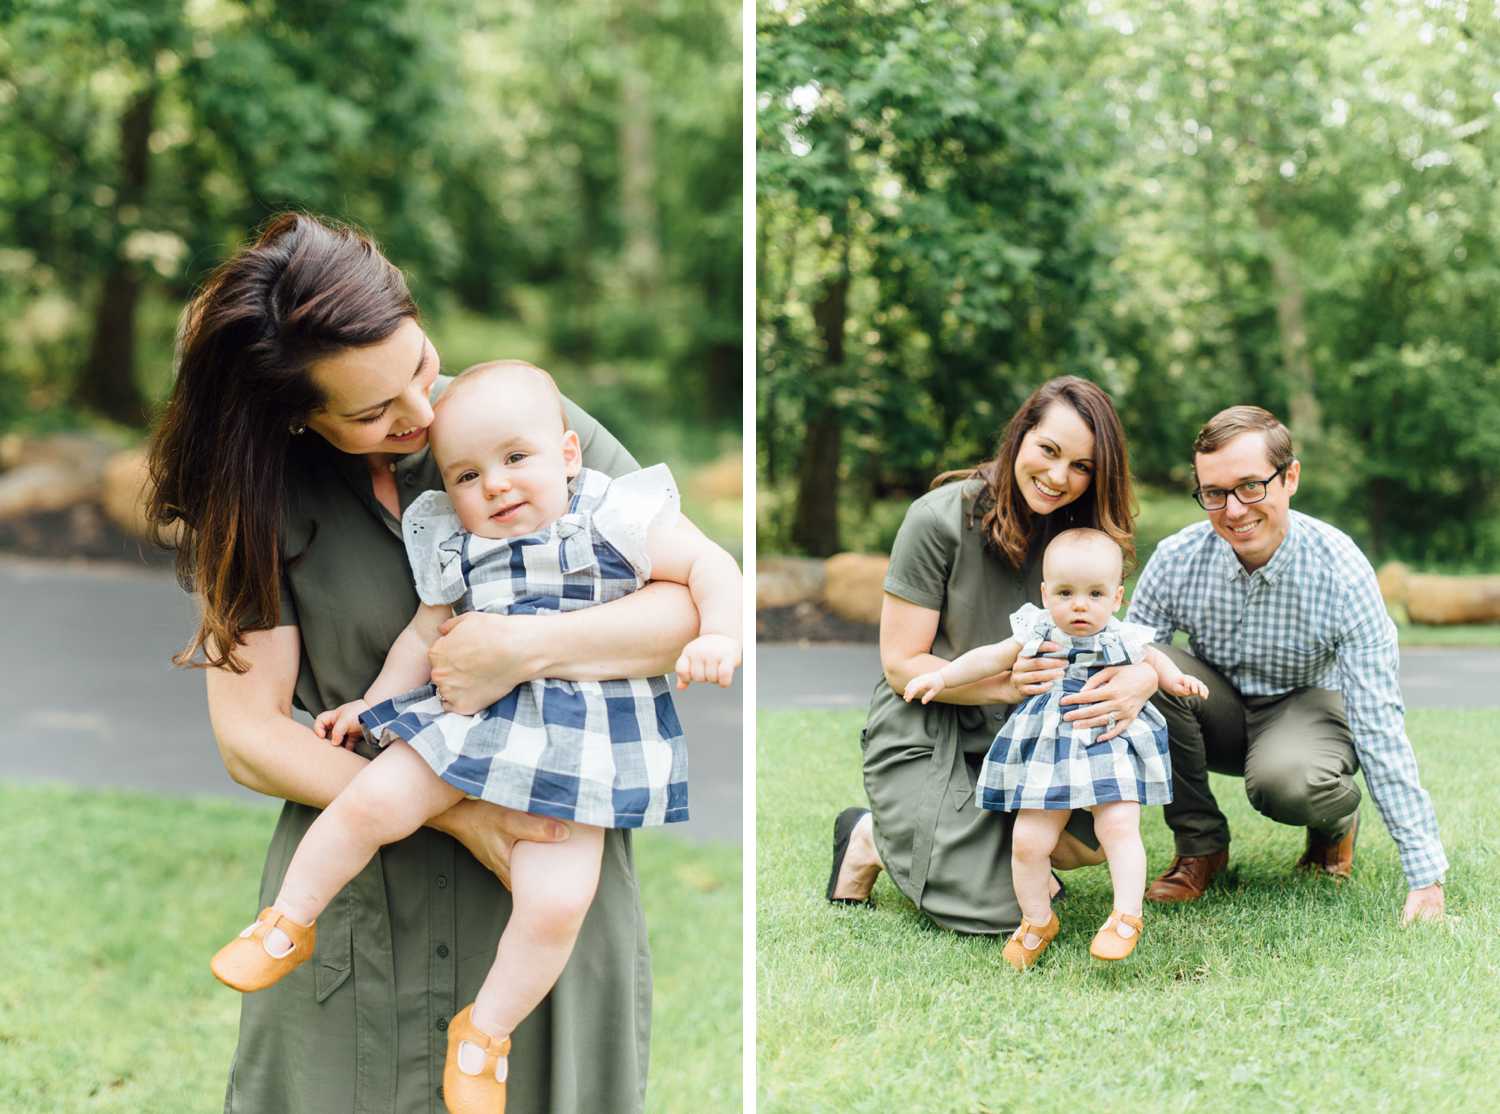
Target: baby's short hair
[509,369]
[1080,537]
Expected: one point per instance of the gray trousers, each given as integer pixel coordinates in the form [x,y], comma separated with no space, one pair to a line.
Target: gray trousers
[1294,751]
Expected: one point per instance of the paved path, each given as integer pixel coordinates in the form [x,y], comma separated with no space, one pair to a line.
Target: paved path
[841,675]
[90,696]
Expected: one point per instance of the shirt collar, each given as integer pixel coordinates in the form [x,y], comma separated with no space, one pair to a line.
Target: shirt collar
[1230,565]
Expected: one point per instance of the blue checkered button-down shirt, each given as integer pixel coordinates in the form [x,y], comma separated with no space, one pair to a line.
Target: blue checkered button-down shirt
[1311,617]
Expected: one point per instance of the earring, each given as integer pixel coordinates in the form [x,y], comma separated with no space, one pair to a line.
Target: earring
[296,429]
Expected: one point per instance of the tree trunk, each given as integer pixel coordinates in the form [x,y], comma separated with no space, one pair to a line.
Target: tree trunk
[1306,416]
[816,528]
[637,139]
[107,381]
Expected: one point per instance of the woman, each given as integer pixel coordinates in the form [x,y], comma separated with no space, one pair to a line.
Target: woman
[969,554]
[291,444]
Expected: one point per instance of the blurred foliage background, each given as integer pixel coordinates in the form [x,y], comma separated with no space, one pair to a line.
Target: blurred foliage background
[1195,203]
[560,183]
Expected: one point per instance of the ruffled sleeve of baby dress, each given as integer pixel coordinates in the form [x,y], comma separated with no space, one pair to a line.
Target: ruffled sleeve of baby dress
[635,504]
[434,546]
[1030,626]
[1134,638]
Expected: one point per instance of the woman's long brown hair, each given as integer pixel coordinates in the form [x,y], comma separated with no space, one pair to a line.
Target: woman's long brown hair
[219,457]
[1108,504]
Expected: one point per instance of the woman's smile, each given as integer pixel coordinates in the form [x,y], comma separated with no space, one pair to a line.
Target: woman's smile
[1046,491]
[409,437]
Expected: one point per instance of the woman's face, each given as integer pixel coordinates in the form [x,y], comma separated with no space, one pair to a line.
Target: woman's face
[377,396]
[1055,462]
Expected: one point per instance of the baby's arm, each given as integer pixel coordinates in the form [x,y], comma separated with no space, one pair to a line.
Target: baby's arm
[406,667]
[1171,679]
[679,552]
[976,665]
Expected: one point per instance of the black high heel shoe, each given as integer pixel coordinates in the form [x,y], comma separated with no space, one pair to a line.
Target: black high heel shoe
[843,828]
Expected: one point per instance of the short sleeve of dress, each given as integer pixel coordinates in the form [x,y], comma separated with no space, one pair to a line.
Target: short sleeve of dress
[286,615]
[633,505]
[434,547]
[1135,637]
[922,557]
[1030,626]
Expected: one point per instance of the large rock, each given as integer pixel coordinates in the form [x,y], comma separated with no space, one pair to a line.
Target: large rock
[84,451]
[44,474]
[122,494]
[1453,599]
[854,586]
[722,479]
[37,488]
[787,581]
[1392,579]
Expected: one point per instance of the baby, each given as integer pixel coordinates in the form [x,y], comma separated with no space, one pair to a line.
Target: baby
[1041,767]
[508,536]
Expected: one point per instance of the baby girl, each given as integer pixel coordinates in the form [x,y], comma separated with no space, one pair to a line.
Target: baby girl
[1041,767]
[521,528]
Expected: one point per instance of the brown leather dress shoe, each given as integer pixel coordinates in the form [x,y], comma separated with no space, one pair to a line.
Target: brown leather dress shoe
[1333,857]
[1188,877]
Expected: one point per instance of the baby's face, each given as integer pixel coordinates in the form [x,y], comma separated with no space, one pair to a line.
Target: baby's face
[1082,588]
[505,457]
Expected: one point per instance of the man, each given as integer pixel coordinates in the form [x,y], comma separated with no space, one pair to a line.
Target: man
[1290,634]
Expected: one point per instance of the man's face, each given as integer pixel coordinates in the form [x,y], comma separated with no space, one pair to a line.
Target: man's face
[1253,531]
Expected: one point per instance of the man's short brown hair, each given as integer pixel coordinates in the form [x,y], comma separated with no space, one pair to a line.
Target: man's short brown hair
[1226,425]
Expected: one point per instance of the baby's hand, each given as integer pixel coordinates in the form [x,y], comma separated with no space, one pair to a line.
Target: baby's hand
[925,685]
[340,726]
[1186,685]
[709,657]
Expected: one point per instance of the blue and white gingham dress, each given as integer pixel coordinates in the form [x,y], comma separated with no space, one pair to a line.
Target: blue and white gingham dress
[605,753]
[1039,760]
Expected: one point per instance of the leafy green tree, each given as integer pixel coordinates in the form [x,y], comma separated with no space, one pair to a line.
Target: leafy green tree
[928,235]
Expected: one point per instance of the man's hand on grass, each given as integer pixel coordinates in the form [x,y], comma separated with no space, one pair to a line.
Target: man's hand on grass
[1424,904]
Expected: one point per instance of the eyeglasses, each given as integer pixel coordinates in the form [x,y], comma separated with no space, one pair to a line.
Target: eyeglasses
[1251,491]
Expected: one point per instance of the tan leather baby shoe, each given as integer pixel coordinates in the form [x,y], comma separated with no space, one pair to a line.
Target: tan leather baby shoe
[246,962]
[482,1092]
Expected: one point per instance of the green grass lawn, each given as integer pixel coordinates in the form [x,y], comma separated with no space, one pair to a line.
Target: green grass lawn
[107,1003]
[1277,992]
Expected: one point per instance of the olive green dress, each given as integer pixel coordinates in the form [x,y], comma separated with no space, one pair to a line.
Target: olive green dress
[362,1027]
[921,762]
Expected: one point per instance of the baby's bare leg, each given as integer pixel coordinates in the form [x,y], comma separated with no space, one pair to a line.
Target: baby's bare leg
[388,800]
[1118,826]
[553,885]
[1032,841]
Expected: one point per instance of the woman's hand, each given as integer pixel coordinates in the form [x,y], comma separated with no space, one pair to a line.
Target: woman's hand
[490,831]
[479,657]
[1033,675]
[1114,697]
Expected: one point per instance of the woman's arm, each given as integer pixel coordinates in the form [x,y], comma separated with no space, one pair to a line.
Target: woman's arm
[481,657]
[266,750]
[906,635]
[262,746]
